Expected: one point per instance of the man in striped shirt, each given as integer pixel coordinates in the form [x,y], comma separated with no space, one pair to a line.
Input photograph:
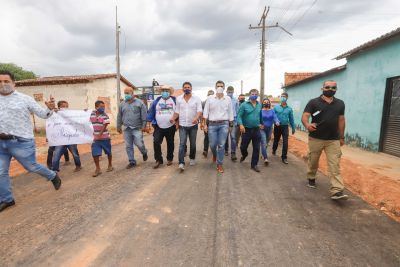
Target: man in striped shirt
[101,136]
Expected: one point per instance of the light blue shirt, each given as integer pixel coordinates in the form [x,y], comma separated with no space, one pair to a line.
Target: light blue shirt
[235,108]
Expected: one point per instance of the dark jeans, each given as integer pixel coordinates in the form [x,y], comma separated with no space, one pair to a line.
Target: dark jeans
[253,135]
[59,151]
[158,136]
[50,152]
[206,142]
[184,133]
[282,130]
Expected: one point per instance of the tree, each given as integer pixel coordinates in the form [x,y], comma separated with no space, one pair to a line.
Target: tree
[19,73]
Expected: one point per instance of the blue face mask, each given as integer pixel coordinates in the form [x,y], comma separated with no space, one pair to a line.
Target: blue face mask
[253,97]
[187,91]
[128,97]
[230,95]
[165,95]
[283,99]
[100,110]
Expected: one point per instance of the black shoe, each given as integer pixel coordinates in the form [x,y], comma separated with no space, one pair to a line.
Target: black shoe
[339,195]
[255,168]
[311,183]
[226,153]
[56,182]
[233,157]
[205,154]
[274,153]
[285,161]
[131,165]
[242,158]
[4,205]
[157,165]
[145,157]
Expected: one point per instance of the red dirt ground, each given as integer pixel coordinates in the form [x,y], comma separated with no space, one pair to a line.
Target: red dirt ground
[379,190]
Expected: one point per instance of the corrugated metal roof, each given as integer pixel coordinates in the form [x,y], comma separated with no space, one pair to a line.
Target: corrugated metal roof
[370,44]
[69,80]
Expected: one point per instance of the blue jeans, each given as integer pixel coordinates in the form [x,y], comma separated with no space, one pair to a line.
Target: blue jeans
[184,133]
[134,136]
[217,133]
[232,134]
[23,150]
[59,151]
[265,137]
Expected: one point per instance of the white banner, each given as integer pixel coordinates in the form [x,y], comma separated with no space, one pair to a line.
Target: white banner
[69,127]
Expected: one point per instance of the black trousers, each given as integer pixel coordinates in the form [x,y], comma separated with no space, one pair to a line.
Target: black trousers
[158,136]
[206,142]
[253,135]
[281,130]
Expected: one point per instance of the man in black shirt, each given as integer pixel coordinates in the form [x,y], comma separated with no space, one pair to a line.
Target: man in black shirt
[326,132]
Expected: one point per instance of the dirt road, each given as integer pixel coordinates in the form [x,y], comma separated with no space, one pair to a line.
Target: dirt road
[146,217]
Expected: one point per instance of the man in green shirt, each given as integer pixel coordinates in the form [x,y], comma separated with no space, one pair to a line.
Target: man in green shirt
[285,116]
[250,121]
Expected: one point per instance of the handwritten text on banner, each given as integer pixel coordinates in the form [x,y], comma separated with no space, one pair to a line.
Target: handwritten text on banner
[69,127]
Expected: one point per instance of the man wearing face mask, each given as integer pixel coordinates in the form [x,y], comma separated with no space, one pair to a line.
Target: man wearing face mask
[101,137]
[219,114]
[160,113]
[16,136]
[250,122]
[285,116]
[238,134]
[235,107]
[204,125]
[189,111]
[326,132]
[132,120]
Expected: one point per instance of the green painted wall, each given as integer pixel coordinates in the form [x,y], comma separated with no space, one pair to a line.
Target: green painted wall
[361,85]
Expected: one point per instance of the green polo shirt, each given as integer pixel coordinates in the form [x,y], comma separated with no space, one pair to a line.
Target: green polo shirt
[249,116]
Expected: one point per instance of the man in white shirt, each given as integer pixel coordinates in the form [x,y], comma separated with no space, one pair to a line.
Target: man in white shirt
[189,111]
[218,111]
[16,136]
[159,115]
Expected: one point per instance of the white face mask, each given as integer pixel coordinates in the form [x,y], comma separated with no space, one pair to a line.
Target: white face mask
[220,90]
[6,89]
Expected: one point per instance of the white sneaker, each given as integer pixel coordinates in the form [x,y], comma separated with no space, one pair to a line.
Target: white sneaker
[192,162]
[182,167]
[266,161]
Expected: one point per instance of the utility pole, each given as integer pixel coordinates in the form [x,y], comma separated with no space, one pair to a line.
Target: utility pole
[241,87]
[117,32]
[262,26]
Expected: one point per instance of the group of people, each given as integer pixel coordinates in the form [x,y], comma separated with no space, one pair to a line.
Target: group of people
[224,119]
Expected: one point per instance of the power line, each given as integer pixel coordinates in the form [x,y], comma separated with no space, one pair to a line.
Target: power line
[302,16]
[263,27]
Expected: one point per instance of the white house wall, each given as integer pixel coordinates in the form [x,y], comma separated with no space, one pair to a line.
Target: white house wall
[79,96]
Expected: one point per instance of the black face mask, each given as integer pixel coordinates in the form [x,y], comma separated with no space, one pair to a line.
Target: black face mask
[266,105]
[328,93]
[241,101]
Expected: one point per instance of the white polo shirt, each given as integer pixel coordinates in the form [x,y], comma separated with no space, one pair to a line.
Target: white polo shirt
[187,110]
[218,109]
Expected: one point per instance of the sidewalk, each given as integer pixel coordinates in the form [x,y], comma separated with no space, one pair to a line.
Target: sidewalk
[375,177]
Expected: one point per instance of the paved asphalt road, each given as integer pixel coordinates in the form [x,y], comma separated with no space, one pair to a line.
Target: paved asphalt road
[146,217]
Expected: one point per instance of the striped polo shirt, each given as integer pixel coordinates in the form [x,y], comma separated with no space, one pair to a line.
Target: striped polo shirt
[98,122]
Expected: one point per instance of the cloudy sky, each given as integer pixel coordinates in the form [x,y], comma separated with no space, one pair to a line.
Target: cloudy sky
[196,40]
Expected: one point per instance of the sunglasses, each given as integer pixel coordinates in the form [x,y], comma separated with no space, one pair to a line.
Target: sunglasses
[330,87]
